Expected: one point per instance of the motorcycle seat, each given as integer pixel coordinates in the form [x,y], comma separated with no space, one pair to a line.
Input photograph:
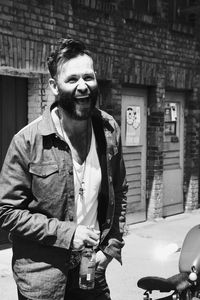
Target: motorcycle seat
[178,282]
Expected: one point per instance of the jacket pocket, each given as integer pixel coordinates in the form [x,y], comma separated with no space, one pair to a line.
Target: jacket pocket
[43,170]
[45,181]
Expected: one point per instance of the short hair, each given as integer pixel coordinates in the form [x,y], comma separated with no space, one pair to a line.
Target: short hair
[65,49]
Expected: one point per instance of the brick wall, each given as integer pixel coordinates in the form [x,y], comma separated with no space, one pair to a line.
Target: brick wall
[129,50]
[192,134]
[155,149]
[39,96]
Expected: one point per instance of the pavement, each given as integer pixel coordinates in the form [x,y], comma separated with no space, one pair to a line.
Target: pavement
[141,257]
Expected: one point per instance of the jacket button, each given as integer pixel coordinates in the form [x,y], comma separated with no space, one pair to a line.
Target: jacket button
[71,218]
[70,172]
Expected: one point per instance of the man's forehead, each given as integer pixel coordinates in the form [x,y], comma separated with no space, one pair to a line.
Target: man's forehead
[77,64]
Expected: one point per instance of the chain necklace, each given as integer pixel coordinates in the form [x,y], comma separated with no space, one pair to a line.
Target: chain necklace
[80,180]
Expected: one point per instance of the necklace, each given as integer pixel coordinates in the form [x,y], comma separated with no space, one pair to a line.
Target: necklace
[79,179]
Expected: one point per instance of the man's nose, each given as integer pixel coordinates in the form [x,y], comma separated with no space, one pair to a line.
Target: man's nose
[82,86]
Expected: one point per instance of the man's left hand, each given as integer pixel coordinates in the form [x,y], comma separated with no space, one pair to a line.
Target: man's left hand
[101,286]
[102,260]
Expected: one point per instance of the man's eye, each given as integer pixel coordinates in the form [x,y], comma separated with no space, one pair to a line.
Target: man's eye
[72,80]
[88,78]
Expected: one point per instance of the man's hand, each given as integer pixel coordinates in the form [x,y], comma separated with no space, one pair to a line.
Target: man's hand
[102,260]
[85,235]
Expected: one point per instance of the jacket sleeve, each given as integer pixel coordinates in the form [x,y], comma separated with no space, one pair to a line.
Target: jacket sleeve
[114,242]
[15,195]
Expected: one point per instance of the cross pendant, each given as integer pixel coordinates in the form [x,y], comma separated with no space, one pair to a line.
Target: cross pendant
[81,191]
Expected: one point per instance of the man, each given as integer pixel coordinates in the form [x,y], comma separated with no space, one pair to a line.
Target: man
[63,186]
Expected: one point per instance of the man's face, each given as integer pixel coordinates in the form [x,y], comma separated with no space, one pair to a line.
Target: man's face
[77,87]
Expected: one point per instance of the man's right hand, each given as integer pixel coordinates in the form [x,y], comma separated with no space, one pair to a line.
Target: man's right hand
[85,235]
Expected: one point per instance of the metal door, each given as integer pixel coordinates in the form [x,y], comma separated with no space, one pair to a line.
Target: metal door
[13,115]
[134,119]
[173,154]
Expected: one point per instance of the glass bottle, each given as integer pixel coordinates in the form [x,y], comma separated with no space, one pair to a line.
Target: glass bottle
[87,268]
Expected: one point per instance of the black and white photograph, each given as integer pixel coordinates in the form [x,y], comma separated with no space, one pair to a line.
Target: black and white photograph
[99,149]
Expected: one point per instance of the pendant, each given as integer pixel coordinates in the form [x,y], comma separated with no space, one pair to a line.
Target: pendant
[81,191]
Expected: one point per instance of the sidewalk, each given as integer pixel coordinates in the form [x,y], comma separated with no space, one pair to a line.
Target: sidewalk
[139,254]
[139,257]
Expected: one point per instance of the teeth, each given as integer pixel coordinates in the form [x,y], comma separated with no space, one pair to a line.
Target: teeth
[82,98]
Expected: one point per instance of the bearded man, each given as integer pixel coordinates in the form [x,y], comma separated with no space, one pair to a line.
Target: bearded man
[63,186]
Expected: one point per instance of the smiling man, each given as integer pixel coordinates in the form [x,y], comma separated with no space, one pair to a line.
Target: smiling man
[63,186]
[75,86]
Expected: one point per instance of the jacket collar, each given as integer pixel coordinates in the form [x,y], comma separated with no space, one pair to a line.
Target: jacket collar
[102,117]
[46,126]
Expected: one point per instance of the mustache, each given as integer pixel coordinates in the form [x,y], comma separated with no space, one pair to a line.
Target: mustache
[93,95]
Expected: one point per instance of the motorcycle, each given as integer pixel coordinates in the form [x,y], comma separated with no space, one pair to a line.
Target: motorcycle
[186,284]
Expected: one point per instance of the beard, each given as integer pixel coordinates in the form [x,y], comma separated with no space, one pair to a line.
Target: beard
[75,108]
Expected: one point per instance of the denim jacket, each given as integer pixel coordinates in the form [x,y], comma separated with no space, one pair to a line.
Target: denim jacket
[37,202]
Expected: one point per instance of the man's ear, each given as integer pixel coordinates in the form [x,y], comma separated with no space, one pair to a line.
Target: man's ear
[53,86]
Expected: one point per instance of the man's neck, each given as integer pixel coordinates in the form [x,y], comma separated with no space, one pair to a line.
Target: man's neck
[71,126]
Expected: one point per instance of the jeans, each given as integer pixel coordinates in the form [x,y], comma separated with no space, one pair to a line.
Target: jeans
[100,292]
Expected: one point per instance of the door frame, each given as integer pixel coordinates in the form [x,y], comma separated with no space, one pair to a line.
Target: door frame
[175,208]
[139,214]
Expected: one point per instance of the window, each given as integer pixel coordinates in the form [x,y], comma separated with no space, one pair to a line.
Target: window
[145,6]
[183,11]
[140,6]
[171,122]
[100,5]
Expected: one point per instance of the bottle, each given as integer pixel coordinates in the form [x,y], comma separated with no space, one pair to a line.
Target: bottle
[87,268]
